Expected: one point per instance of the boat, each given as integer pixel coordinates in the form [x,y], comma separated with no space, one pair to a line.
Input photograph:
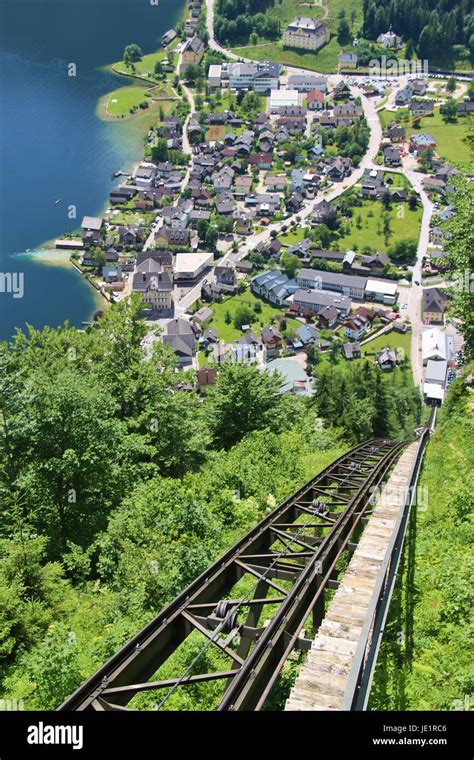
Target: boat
[58,200]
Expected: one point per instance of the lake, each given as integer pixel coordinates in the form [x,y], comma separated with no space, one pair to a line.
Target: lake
[53,145]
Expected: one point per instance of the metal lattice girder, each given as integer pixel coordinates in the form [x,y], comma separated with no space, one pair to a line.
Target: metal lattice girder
[287,560]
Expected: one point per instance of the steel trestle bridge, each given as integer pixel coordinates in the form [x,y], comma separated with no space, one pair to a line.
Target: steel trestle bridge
[254,604]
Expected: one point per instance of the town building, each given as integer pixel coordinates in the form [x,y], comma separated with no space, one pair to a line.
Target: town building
[91,228]
[307,82]
[389,39]
[192,53]
[190,266]
[155,286]
[347,61]
[387,359]
[433,306]
[294,379]
[261,77]
[179,335]
[317,300]
[352,287]
[381,290]
[214,76]
[283,98]
[306,33]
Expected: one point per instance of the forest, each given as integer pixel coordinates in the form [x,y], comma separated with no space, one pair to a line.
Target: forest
[235,20]
[118,489]
[430,27]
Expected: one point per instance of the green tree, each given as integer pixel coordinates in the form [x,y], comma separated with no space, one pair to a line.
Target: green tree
[244,399]
[451,84]
[449,110]
[460,248]
[212,236]
[159,151]
[132,54]
[290,263]
[244,315]
[343,31]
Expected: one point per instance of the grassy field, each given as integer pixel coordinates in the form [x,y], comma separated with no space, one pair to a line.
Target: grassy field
[227,332]
[325,59]
[370,230]
[386,117]
[117,104]
[146,67]
[450,138]
[429,667]
[389,340]
[295,236]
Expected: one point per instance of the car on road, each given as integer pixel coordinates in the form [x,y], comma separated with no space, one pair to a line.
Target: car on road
[417,282]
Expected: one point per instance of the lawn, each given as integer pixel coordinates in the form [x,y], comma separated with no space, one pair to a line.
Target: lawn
[227,332]
[450,138]
[369,231]
[386,117]
[117,104]
[295,236]
[145,67]
[323,60]
[391,340]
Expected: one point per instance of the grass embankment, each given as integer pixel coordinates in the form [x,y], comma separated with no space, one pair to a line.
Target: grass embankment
[425,662]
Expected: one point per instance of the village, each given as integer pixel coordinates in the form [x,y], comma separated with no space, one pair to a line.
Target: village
[287,218]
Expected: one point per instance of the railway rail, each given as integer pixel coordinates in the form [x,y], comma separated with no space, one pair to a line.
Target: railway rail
[252,604]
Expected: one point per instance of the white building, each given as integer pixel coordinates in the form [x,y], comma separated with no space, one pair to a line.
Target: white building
[282,98]
[261,77]
[306,33]
[188,266]
[389,39]
[349,285]
[214,76]
[381,290]
[307,82]
[434,345]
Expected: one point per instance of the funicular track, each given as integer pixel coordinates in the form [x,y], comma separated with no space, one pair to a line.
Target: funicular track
[253,602]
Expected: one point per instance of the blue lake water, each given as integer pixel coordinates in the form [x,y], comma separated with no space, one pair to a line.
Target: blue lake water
[52,143]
